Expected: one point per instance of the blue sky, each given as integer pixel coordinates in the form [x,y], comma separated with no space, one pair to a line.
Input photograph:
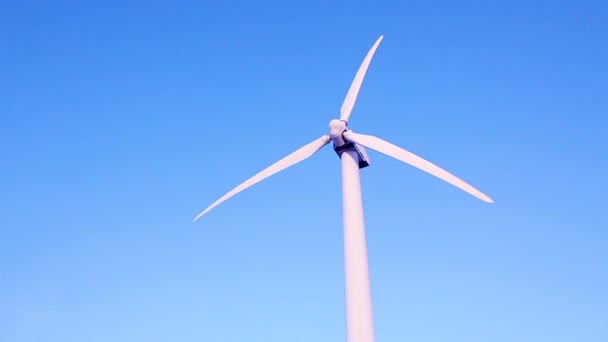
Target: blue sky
[122,121]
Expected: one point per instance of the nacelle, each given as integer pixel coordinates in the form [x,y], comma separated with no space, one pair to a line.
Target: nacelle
[351,146]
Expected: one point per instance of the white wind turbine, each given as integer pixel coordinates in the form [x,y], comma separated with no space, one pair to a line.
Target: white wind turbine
[349,147]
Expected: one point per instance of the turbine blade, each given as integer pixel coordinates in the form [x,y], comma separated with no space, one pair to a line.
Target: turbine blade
[294,158]
[398,153]
[351,96]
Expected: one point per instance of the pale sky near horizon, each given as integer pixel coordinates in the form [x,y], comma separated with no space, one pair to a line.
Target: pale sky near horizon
[122,121]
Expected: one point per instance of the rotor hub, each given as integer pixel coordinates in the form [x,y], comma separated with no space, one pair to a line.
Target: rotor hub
[336,128]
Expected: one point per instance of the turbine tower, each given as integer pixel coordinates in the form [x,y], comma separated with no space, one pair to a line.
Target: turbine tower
[350,147]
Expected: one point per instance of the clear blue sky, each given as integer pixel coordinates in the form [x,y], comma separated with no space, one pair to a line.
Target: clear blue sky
[120,122]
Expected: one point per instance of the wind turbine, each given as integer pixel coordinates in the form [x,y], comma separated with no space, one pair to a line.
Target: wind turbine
[350,148]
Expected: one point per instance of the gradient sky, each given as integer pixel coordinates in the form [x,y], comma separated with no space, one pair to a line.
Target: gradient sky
[120,122]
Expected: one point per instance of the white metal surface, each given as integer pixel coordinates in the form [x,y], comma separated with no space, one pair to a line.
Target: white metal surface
[349,146]
[398,153]
[359,317]
[353,91]
[292,159]
[336,128]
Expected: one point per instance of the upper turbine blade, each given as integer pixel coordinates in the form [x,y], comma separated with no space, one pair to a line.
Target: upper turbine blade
[294,158]
[351,97]
[398,153]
